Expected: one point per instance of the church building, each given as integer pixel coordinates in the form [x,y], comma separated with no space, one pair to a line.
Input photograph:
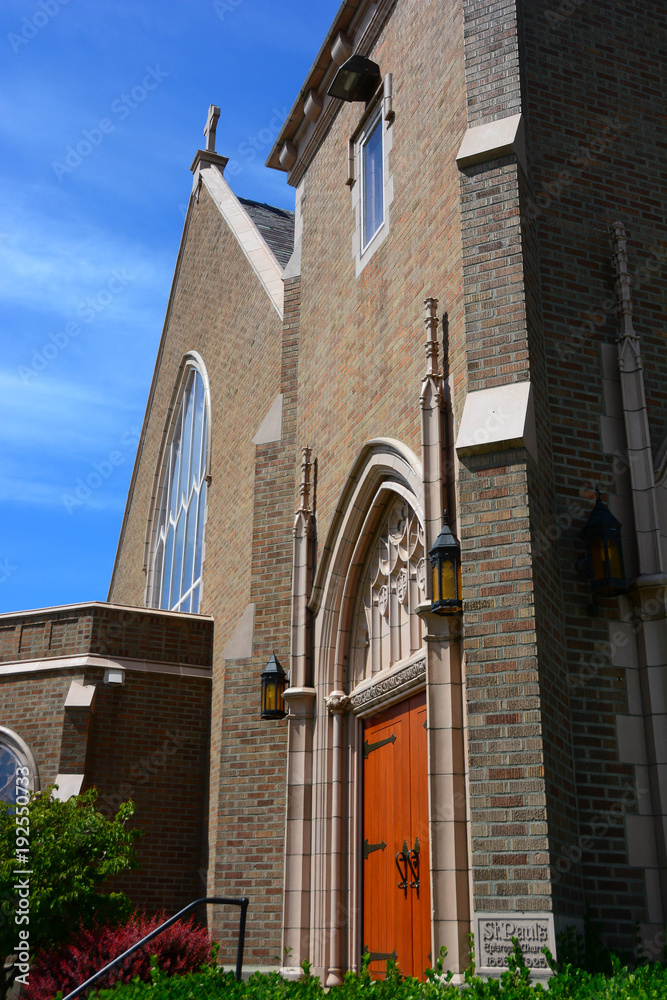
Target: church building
[385,646]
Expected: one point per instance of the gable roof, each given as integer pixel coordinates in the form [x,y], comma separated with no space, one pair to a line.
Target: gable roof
[253,242]
[276,226]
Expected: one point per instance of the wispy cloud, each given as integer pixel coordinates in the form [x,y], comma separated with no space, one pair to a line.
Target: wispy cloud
[56,414]
[47,268]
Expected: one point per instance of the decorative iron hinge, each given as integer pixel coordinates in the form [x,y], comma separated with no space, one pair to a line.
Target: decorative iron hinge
[369,848]
[368,747]
[380,956]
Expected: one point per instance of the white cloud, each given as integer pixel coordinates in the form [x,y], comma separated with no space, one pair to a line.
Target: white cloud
[48,267]
[65,418]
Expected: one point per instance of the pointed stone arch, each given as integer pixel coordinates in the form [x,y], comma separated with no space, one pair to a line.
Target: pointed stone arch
[384,469]
[322,848]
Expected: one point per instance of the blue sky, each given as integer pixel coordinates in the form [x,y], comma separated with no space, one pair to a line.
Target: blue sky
[102,107]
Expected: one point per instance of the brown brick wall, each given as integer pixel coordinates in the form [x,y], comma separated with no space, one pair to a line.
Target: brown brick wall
[146,740]
[251,819]
[105,630]
[32,706]
[149,742]
[220,310]
[361,356]
[595,120]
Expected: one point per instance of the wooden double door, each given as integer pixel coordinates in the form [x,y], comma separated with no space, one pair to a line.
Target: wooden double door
[396,876]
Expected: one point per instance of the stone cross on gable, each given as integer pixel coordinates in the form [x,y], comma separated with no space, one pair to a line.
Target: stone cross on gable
[211,125]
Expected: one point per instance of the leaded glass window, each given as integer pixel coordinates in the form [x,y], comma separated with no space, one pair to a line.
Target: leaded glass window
[372,181]
[16,762]
[179,536]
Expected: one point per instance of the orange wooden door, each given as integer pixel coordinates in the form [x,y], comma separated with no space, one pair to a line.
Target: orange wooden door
[396,878]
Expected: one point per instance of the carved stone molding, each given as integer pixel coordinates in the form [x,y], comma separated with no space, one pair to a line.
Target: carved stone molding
[387,629]
[337,703]
[397,685]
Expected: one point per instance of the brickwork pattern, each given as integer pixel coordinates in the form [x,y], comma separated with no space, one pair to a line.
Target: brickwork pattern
[596,156]
[106,631]
[252,821]
[361,354]
[509,829]
[149,742]
[492,58]
[146,740]
[33,707]
[220,309]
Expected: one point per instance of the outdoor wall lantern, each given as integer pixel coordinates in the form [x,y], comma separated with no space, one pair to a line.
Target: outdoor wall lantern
[356,80]
[604,562]
[445,556]
[274,680]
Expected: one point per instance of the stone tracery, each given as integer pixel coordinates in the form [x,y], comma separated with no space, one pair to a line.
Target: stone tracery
[386,629]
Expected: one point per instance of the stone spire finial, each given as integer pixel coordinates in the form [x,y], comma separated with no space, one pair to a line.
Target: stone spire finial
[623,287]
[431,324]
[304,486]
[211,125]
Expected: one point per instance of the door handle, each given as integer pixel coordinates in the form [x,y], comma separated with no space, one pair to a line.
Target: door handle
[412,858]
[402,862]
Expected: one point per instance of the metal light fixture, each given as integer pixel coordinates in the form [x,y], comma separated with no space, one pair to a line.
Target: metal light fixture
[445,556]
[604,561]
[114,675]
[356,80]
[274,680]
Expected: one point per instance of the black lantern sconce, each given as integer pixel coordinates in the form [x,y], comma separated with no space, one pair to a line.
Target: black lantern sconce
[445,556]
[603,563]
[274,681]
[356,80]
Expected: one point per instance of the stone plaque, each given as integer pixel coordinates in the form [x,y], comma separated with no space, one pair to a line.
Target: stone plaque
[493,940]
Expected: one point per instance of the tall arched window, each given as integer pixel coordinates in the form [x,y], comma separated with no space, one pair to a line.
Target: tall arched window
[179,536]
[16,761]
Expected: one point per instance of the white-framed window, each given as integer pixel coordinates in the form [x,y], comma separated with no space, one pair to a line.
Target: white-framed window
[16,761]
[372,180]
[178,540]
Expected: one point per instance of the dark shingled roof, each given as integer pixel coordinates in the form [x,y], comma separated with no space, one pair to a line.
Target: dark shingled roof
[276,226]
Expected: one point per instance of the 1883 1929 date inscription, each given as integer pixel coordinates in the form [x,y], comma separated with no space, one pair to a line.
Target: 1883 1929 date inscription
[493,940]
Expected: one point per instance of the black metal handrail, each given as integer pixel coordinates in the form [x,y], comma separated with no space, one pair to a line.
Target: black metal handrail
[243,903]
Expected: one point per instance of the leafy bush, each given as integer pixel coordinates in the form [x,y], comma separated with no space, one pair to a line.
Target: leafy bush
[181,948]
[647,982]
[70,849]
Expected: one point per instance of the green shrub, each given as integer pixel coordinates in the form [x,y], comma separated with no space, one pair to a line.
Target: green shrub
[647,982]
[70,850]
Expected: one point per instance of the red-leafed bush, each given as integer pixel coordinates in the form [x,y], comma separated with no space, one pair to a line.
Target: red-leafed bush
[183,947]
